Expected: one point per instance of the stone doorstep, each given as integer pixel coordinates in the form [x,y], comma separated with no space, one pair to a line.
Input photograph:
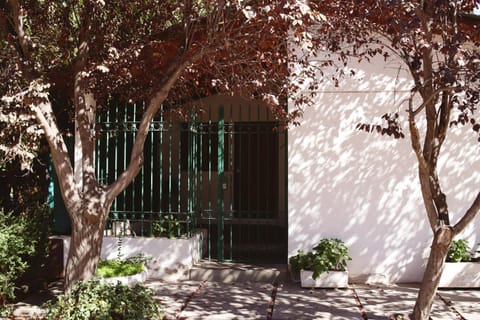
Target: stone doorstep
[225,272]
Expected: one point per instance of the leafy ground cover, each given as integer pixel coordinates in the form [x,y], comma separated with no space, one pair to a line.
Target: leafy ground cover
[118,268]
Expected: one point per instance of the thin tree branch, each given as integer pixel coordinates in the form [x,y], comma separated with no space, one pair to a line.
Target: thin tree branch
[17,19]
[468,216]
[423,168]
[430,99]
[58,149]
[136,159]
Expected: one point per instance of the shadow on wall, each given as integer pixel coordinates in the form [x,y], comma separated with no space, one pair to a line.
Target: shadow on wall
[168,259]
[363,188]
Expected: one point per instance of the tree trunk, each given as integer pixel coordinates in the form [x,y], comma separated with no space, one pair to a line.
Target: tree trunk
[442,240]
[85,247]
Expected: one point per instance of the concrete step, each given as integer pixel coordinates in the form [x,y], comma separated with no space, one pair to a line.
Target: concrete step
[228,272]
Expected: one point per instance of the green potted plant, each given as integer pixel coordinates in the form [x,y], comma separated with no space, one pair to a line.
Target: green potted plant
[325,266]
[460,271]
[128,271]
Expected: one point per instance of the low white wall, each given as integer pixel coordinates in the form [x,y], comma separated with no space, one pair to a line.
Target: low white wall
[363,188]
[171,258]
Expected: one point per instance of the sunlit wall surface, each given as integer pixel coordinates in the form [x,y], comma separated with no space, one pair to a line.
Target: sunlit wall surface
[363,187]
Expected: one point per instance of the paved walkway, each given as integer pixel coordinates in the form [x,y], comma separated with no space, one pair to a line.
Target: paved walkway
[214,300]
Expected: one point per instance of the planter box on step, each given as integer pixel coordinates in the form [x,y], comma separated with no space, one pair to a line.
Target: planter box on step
[331,279]
[460,275]
[128,280]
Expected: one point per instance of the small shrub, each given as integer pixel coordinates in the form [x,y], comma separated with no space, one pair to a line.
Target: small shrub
[118,268]
[459,251]
[328,255]
[16,244]
[93,300]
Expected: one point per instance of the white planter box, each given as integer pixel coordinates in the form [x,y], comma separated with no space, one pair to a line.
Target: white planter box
[460,275]
[172,258]
[128,280]
[331,279]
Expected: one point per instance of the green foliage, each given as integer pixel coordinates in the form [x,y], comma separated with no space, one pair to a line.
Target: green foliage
[328,255]
[94,300]
[459,251]
[22,239]
[169,226]
[118,268]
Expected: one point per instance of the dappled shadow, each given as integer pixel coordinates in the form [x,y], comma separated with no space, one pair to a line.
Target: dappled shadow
[363,188]
[381,302]
[292,302]
[224,301]
[466,302]
[213,300]
[172,296]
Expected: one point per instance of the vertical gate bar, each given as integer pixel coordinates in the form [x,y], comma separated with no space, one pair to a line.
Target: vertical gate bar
[129,129]
[105,148]
[259,214]
[189,169]
[209,195]
[115,164]
[199,173]
[101,137]
[249,147]
[179,179]
[99,132]
[139,176]
[221,177]
[250,214]
[153,172]
[238,168]
[126,131]
[153,132]
[111,133]
[265,135]
[191,176]
[113,113]
[194,182]
[284,171]
[130,140]
[170,171]
[142,186]
[111,130]
[107,142]
[268,138]
[122,120]
[197,190]
[230,177]
[160,160]
[119,127]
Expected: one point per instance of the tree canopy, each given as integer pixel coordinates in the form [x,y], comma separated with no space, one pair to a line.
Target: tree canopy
[126,50]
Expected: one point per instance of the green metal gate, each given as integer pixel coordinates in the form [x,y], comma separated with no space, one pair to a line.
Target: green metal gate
[160,200]
[223,174]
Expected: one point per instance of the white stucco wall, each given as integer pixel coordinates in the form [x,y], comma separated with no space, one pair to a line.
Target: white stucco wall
[169,259]
[363,188]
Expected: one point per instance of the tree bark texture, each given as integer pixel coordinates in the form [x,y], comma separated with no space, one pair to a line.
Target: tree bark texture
[85,246]
[442,240]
